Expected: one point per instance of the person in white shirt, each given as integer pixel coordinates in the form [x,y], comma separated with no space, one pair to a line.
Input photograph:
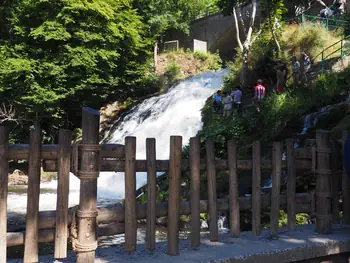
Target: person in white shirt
[227,101]
[237,98]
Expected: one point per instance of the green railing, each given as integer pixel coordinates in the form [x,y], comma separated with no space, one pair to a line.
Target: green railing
[339,52]
[331,23]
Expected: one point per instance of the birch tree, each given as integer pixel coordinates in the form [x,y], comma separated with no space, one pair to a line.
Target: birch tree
[247,30]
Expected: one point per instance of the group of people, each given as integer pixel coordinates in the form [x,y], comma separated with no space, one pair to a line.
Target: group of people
[224,102]
[337,9]
[227,102]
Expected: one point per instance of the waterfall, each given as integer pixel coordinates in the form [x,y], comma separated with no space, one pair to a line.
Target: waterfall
[177,112]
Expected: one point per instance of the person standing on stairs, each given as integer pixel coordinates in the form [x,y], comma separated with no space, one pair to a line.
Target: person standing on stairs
[281,76]
[296,71]
[237,99]
[260,92]
[307,65]
[217,101]
[227,101]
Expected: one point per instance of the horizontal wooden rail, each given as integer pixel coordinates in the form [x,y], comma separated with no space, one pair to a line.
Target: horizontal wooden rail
[163,165]
[50,151]
[115,213]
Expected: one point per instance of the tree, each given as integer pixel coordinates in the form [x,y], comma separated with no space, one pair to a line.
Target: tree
[274,10]
[64,54]
[234,7]
[161,15]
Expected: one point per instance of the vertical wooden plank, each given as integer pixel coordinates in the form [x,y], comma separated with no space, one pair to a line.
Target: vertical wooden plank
[234,194]
[88,173]
[211,173]
[151,193]
[335,183]
[174,194]
[256,189]
[4,168]
[195,191]
[33,193]
[291,184]
[345,188]
[64,157]
[276,184]
[130,195]
[323,183]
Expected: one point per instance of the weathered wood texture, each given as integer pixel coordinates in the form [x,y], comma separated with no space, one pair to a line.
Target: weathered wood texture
[112,165]
[195,191]
[276,185]
[174,195]
[88,173]
[64,157]
[211,174]
[256,200]
[291,185]
[116,213]
[130,195]
[335,183]
[234,195]
[33,192]
[51,151]
[151,193]
[4,167]
[345,188]
[323,184]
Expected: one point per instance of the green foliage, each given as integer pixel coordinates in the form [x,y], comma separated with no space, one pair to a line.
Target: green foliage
[173,72]
[161,15]
[212,60]
[66,54]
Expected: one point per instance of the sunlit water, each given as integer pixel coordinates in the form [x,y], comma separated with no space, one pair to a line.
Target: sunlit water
[177,112]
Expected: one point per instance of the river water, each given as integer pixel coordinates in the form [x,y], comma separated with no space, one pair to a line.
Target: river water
[177,112]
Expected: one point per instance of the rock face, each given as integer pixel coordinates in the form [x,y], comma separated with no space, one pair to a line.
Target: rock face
[18,178]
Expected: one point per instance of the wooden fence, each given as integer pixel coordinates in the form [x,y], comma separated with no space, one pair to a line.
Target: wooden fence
[88,158]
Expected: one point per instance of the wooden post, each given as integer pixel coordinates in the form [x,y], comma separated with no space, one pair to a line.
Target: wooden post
[130,195]
[33,193]
[323,183]
[256,186]
[195,192]
[88,173]
[345,187]
[174,194]
[291,184]
[234,194]
[151,193]
[211,173]
[4,169]
[276,184]
[335,183]
[64,157]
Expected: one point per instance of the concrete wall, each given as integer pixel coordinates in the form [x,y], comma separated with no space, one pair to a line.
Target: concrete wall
[217,30]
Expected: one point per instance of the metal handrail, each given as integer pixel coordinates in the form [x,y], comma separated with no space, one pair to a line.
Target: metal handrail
[341,49]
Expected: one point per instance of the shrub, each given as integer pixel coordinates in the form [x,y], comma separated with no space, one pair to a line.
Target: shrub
[173,72]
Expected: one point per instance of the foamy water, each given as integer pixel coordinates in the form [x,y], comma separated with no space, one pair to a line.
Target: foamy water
[177,112]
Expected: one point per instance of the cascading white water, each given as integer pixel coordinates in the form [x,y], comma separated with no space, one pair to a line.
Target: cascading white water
[177,112]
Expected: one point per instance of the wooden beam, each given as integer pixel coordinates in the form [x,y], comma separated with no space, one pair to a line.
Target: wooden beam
[50,151]
[115,213]
[109,165]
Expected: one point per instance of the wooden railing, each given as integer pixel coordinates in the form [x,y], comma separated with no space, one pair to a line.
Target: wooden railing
[88,158]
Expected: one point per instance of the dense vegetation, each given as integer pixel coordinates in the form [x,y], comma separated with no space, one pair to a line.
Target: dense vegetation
[56,56]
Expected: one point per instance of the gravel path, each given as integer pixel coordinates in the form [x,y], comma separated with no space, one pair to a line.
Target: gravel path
[290,246]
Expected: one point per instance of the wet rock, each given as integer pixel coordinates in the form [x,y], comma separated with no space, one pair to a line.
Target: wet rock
[18,178]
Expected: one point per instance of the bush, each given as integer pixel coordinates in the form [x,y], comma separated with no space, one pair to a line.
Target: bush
[201,55]
[173,72]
